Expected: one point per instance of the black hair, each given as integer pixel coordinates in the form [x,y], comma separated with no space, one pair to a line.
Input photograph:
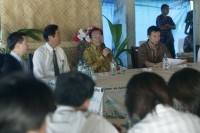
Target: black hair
[184,85]
[50,30]
[73,89]
[8,64]
[94,29]
[24,103]
[14,38]
[164,6]
[152,29]
[144,92]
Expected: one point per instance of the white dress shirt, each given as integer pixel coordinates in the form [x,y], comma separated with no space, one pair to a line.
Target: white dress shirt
[43,61]
[21,61]
[165,119]
[68,120]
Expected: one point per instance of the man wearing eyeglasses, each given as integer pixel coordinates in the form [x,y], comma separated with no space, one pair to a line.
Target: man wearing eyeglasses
[97,54]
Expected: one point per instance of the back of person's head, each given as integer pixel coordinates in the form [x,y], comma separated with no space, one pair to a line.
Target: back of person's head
[152,29]
[184,85]
[164,6]
[50,30]
[24,103]
[8,64]
[73,89]
[14,38]
[94,29]
[144,92]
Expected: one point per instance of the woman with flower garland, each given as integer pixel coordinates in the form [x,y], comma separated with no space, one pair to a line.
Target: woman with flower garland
[97,54]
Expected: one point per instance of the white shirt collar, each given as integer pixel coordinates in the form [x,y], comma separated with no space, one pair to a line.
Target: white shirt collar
[49,47]
[15,56]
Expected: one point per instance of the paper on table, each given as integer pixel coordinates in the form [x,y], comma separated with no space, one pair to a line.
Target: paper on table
[173,62]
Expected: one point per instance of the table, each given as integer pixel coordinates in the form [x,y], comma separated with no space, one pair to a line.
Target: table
[108,98]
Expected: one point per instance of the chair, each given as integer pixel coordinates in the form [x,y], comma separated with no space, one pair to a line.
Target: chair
[134,56]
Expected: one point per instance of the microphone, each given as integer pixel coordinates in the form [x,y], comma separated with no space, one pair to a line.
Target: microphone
[103,46]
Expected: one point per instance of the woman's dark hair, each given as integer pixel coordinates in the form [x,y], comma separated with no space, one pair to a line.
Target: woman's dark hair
[24,103]
[184,85]
[94,29]
[144,92]
[50,30]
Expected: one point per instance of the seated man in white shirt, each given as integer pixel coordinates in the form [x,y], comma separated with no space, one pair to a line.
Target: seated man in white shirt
[17,44]
[149,105]
[43,66]
[73,93]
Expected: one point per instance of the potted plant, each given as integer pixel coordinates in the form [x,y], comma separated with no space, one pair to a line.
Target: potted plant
[119,45]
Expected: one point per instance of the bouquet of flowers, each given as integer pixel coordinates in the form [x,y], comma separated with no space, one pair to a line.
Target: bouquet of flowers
[83,38]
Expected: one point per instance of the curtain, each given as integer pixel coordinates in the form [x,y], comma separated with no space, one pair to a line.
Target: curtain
[146,12]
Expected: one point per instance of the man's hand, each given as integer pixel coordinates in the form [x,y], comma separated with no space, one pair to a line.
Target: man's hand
[106,51]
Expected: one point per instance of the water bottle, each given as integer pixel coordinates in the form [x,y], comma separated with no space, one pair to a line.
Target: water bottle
[85,69]
[90,71]
[165,62]
[113,67]
[80,66]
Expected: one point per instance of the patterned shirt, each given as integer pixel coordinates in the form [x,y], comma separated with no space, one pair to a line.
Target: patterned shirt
[146,53]
[189,19]
[188,44]
[93,56]
[166,36]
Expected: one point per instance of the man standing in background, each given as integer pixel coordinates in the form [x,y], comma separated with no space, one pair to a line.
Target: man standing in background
[166,24]
[189,23]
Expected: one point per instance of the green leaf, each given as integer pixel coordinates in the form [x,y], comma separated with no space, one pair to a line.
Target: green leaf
[119,48]
[118,30]
[32,33]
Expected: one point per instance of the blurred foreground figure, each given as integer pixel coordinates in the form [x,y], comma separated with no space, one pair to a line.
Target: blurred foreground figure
[184,86]
[24,103]
[73,93]
[149,106]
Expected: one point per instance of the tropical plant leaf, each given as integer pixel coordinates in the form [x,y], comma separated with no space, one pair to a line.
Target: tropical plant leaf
[122,47]
[119,48]
[112,29]
[32,33]
[118,30]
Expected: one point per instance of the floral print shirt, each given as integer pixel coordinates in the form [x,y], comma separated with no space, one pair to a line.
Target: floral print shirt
[93,56]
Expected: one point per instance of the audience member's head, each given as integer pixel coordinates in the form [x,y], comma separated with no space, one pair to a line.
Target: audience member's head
[184,86]
[74,89]
[144,92]
[17,42]
[24,103]
[8,64]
